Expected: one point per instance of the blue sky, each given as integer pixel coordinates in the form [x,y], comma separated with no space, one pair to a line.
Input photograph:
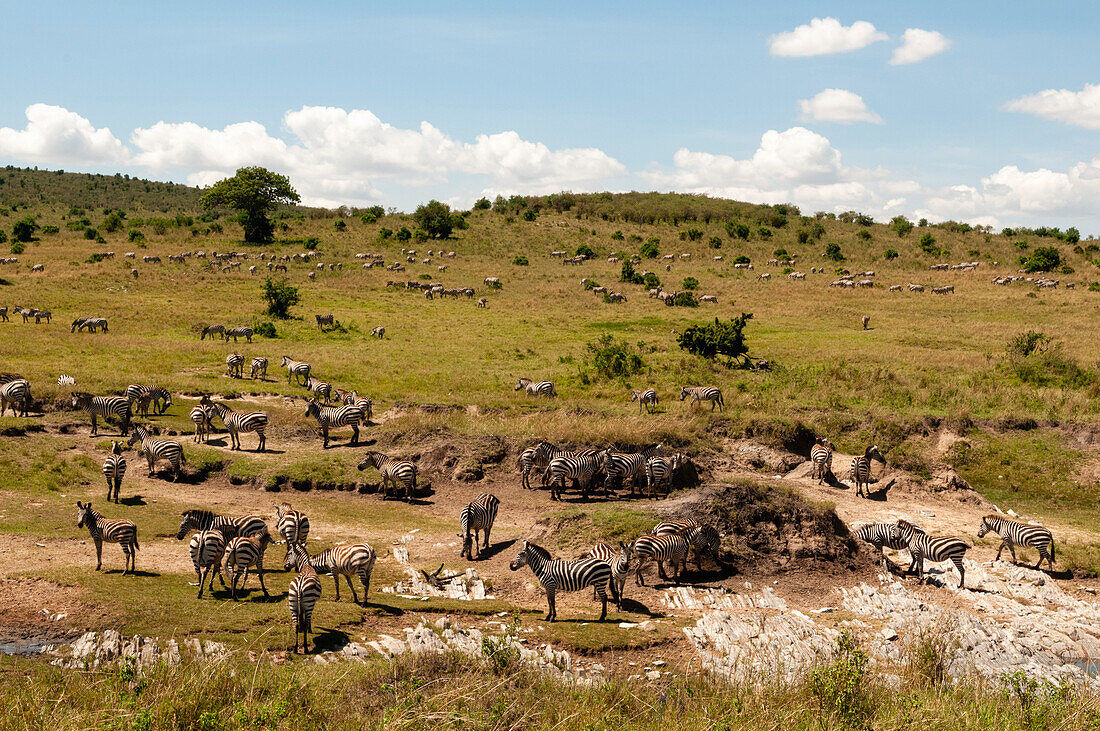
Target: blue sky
[584,96]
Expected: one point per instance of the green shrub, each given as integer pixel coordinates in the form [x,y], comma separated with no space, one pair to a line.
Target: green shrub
[901,225]
[280,297]
[863,235]
[24,229]
[340,225]
[714,242]
[419,235]
[692,234]
[113,222]
[591,284]
[18,247]
[742,259]
[737,230]
[529,215]
[928,245]
[75,226]
[385,233]
[434,218]
[840,687]
[764,232]
[690,283]
[311,243]
[803,237]
[520,260]
[651,280]
[135,235]
[613,359]
[720,338]
[482,204]
[403,234]
[49,228]
[650,249]
[890,254]
[627,273]
[1037,360]
[832,252]
[266,330]
[1043,259]
[90,234]
[780,253]
[1022,245]
[585,250]
[617,236]
[94,258]
[1094,287]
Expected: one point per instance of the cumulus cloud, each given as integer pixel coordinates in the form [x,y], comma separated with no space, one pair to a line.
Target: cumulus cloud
[54,135]
[917,45]
[824,36]
[837,105]
[1079,108]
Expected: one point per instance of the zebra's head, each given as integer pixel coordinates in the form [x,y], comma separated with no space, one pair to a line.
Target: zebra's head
[903,530]
[522,384]
[80,398]
[84,514]
[371,460]
[874,453]
[189,519]
[296,557]
[521,558]
[139,435]
[985,527]
[116,447]
[286,359]
[684,392]
[313,408]
[626,550]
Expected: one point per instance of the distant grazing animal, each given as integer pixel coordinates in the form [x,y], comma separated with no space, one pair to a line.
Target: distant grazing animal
[158,396]
[201,417]
[302,595]
[259,367]
[559,575]
[38,268]
[120,531]
[709,298]
[703,393]
[539,388]
[245,525]
[705,540]
[238,332]
[364,402]
[92,324]
[1013,533]
[292,525]
[393,472]
[134,273]
[234,365]
[325,320]
[76,323]
[949,289]
[241,553]
[866,319]
[333,417]
[17,393]
[237,423]
[821,456]
[213,330]
[475,518]
[860,471]
[40,315]
[114,467]
[379,332]
[482,302]
[106,406]
[881,535]
[619,561]
[157,449]
[4,314]
[646,399]
[207,550]
[356,559]
[65,380]
[296,370]
[923,546]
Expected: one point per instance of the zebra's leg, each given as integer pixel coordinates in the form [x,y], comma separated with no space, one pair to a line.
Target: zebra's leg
[98,553]
[202,578]
[324,435]
[639,580]
[336,579]
[364,579]
[260,573]
[601,589]
[263,442]
[95,429]
[354,434]
[486,540]
[1011,550]
[354,596]
[962,572]
[553,610]
[661,570]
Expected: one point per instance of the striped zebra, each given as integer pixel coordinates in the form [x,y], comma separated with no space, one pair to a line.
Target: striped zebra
[703,393]
[65,380]
[105,406]
[475,518]
[705,540]
[238,332]
[241,553]
[534,458]
[860,471]
[321,389]
[194,519]
[259,367]
[292,525]
[364,402]
[540,388]
[296,369]
[9,377]
[356,559]
[40,315]
[4,314]
[671,547]
[323,320]
[114,467]
[15,393]
[120,531]
[212,330]
[393,471]
[156,449]
[1013,533]
[923,546]
[821,457]
[302,595]
[207,550]
[379,332]
[239,423]
[619,561]
[160,397]
[201,417]
[579,467]
[881,535]
[234,365]
[618,468]
[646,399]
[93,324]
[560,575]
[333,417]
[660,471]
[77,323]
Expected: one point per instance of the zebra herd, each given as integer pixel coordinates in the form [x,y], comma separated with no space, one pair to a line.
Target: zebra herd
[225,333]
[585,467]
[647,399]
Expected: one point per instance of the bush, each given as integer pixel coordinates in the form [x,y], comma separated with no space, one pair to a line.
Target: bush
[650,248]
[434,218]
[18,247]
[90,234]
[1043,259]
[742,259]
[585,250]
[419,235]
[482,204]
[627,273]
[683,299]
[617,236]
[311,243]
[690,283]
[591,284]
[764,232]
[714,242]
[613,359]
[159,226]
[864,220]
[403,234]
[840,687]
[890,254]
[928,245]
[780,253]
[520,260]
[50,229]
[495,285]
[3,237]
[651,280]
[803,237]
[1021,245]
[265,330]
[901,225]
[529,215]
[720,338]
[385,233]
[692,234]
[1037,360]
[75,226]
[340,225]
[280,297]
[863,234]
[94,258]
[1072,235]
[24,229]
[832,252]
[368,218]
[1094,287]
[737,230]
[113,222]
[135,235]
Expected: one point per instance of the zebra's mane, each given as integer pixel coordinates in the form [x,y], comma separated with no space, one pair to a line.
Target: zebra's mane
[538,551]
[903,524]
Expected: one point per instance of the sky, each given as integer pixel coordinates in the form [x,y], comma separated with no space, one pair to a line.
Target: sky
[987,112]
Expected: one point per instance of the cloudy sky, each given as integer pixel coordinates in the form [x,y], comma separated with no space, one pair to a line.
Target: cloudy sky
[979,111]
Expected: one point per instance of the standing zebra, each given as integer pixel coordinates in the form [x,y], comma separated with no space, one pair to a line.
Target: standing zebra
[76,323]
[114,467]
[4,314]
[212,330]
[234,365]
[238,332]
[241,553]
[660,471]
[619,468]
[356,559]
[579,467]
[323,320]
[246,525]
[619,561]
[207,551]
[393,471]
[119,531]
[157,449]
[559,575]
[321,389]
[105,406]
[201,417]
[364,402]
[296,369]
[160,397]
[703,393]
[238,423]
[292,525]
[379,332]
[332,417]
[15,393]
[476,517]
[860,471]
[881,535]
[535,458]
[704,539]
[923,546]
[821,456]
[540,388]
[672,547]
[303,593]
[93,324]
[259,367]
[646,399]
[1013,533]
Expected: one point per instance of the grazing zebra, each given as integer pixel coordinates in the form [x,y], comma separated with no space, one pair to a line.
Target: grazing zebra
[393,471]
[9,377]
[64,380]
[234,365]
[15,393]
[93,324]
[303,593]
[246,525]
[297,369]
[239,423]
[579,467]
[40,315]
[356,559]
[157,449]
[482,303]
[923,546]
[671,547]
[105,406]
[119,531]
[241,553]
[475,518]
[259,367]
[1013,533]
[703,393]
[213,330]
[379,332]
[332,417]
[867,319]
[160,397]
[704,539]
[821,456]
[881,535]
[321,389]
[238,332]
[646,399]
[660,471]
[76,323]
[114,467]
[619,561]
[619,468]
[541,388]
[292,525]
[207,551]
[559,575]
[364,402]
[323,320]
[860,471]
[201,417]
[4,314]
[142,403]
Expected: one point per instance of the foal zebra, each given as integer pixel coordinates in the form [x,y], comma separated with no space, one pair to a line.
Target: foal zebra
[292,525]
[672,547]
[703,393]
[619,561]
[234,365]
[646,399]
[114,467]
[259,367]
[356,559]
[160,397]
[119,531]
[323,320]
[156,449]
[536,457]
[821,456]
[246,525]
[860,471]
[241,553]
[296,369]
[303,593]
[559,575]
[238,423]
[579,467]
[540,388]
[105,406]
[238,332]
[1013,533]
[201,417]
[881,535]
[212,330]
[618,467]
[475,518]
[15,393]
[393,471]
[923,546]
[207,549]
[332,417]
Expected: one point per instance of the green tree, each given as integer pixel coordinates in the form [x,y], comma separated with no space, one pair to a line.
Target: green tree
[434,218]
[720,338]
[113,222]
[1043,259]
[832,251]
[24,229]
[403,234]
[1072,235]
[650,249]
[255,192]
[901,225]
[482,204]
[691,283]
[280,297]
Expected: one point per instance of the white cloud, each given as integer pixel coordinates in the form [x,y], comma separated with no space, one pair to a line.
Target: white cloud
[917,45]
[837,105]
[55,135]
[1079,108]
[824,36]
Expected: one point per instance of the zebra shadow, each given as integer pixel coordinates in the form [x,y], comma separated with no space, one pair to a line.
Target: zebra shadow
[132,500]
[252,594]
[633,606]
[495,549]
[136,572]
[329,640]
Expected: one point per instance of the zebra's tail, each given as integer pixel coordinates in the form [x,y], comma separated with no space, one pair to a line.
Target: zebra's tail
[1052,558]
[136,546]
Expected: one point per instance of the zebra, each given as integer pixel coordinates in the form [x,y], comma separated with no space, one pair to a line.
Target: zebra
[238,423]
[536,457]
[364,402]
[160,397]
[331,417]
[238,332]
[867,318]
[541,388]
[660,471]
[259,367]
[194,519]
[15,392]
[234,365]
[619,561]
[923,546]
[65,380]
[157,449]
[860,471]
[356,559]
[120,531]
[9,377]
[201,417]
[114,467]
[4,314]
[241,553]
[303,593]
[881,535]
[105,406]
[76,323]
[212,330]
[704,539]
[378,332]
[296,369]
[623,467]
[207,550]
[40,315]
[93,324]
[1013,533]
[292,525]
[579,467]
[672,547]
[646,399]
[703,393]
[321,389]
[560,575]
[393,471]
[323,320]
[476,517]
[821,456]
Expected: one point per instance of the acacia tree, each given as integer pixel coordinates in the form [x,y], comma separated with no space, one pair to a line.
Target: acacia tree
[254,191]
[435,219]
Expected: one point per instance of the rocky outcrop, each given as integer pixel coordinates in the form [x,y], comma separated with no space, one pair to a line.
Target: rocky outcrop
[93,650]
